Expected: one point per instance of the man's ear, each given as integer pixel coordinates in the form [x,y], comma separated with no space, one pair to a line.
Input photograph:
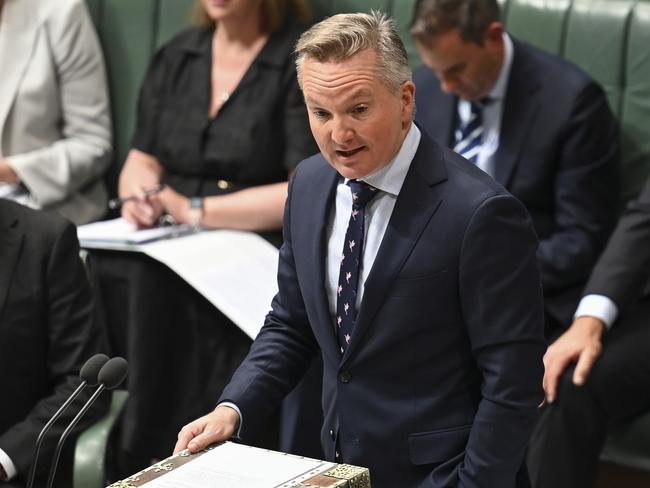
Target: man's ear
[407,95]
[494,33]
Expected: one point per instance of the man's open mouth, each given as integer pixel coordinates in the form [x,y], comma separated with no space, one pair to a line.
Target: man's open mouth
[352,152]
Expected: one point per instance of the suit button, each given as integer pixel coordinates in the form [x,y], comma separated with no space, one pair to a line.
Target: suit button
[332,434]
[345,376]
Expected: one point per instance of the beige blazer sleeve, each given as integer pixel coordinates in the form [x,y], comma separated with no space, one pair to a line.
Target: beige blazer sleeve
[54,106]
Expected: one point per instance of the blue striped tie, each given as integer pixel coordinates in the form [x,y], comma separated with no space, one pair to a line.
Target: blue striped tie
[470,135]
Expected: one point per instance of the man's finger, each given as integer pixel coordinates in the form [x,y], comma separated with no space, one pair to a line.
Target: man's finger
[552,376]
[585,363]
[186,434]
[203,440]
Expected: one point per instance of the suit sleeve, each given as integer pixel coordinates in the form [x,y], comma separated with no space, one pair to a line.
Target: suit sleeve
[81,156]
[283,349]
[623,270]
[586,192]
[72,337]
[502,305]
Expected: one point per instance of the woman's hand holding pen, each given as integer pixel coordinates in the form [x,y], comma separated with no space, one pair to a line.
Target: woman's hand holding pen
[142,206]
[139,189]
[175,204]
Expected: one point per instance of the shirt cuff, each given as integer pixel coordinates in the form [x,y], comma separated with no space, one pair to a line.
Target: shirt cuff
[236,409]
[598,306]
[8,465]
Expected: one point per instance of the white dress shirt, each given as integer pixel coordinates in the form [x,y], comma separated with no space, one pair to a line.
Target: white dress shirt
[598,306]
[8,465]
[389,181]
[492,112]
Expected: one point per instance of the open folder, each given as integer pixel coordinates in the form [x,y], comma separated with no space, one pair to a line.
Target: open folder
[120,234]
[230,465]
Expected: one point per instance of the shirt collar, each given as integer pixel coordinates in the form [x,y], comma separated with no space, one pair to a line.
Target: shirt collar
[391,177]
[498,91]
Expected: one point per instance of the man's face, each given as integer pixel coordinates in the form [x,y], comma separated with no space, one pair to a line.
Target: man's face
[466,69]
[357,122]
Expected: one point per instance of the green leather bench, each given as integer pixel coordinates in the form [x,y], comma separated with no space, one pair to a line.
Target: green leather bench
[608,38]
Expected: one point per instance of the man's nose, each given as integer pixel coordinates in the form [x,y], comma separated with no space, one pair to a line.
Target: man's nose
[342,132]
[448,85]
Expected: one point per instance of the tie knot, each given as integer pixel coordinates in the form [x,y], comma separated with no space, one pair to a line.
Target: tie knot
[476,108]
[362,192]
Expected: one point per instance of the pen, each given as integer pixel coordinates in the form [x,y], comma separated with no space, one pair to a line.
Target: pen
[118,202]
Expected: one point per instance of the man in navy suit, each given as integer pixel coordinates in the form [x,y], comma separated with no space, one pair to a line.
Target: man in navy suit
[432,334]
[546,134]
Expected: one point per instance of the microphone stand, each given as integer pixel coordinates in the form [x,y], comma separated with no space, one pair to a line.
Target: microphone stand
[41,435]
[66,433]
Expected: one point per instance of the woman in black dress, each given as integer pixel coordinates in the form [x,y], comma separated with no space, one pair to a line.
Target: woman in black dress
[222,123]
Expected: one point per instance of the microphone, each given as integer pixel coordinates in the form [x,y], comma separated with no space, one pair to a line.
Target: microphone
[109,377]
[88,373]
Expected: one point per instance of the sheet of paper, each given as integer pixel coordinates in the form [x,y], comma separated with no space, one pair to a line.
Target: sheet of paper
[235,270]
[122,233]
[237,466]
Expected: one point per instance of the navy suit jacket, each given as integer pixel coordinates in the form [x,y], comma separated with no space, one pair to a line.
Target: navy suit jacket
[441,381]
[558,154]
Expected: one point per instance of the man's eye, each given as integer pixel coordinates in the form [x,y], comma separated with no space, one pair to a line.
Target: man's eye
[320,114]
[360,109]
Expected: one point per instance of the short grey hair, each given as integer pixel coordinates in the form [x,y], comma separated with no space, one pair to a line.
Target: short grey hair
[342,36]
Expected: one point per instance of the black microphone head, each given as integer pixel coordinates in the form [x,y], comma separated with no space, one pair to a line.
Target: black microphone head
[90,369]
[113,372]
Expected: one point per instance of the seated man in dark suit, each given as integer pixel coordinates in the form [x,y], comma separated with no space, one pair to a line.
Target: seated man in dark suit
[410,271]
[609,342]
[46,334]
[536,123]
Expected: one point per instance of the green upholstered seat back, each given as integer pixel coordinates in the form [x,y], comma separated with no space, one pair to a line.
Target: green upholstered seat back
[635,104]
[542,23]
[130,31]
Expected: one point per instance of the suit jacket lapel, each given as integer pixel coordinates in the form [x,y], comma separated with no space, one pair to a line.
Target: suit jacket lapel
[520,107]
[11,238]
[418,200]
[321,199]
[17,38]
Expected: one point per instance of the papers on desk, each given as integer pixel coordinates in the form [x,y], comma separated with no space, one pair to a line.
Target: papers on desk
[237,466]
[235,270]
[231,465]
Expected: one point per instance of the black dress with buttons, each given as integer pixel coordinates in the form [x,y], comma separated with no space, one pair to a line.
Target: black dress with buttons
[182,350]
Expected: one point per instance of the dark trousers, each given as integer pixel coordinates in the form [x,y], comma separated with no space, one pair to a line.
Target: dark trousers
[567,441]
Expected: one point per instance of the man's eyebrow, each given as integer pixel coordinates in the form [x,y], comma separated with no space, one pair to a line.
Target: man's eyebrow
[354,95]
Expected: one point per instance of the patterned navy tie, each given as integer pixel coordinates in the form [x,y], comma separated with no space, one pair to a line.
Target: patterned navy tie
[346,294]
[470,135]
